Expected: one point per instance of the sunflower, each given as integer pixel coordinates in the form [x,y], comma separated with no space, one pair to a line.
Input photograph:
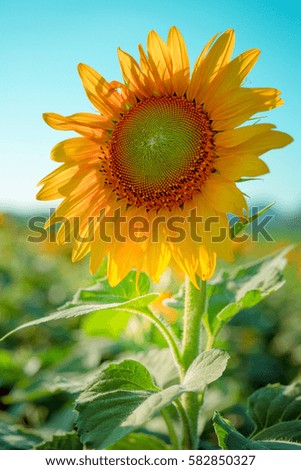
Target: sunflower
[152,177]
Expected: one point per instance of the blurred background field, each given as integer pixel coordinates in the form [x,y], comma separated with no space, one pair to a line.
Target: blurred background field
[40,366]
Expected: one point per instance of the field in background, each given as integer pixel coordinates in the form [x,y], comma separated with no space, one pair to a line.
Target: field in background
[36,278]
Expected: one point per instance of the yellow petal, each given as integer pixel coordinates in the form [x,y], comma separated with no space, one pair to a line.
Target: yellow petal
[180,61]
[80,250]
[158,257]
[158,253]
[144,62]
[133,75]
[65,232]
[241,104]
[77,203]
[123,257]
[79,229]
[160,60]
[193,86]
[128,96]
[229,77]
[197,260]
[218,55]
[259,144]
[223,195]
[69,179]
[84,227]
[186,259]
[213,227]
[234,137]
[98,252]
[88,125]
[234,166]
[104,97]
[59,182]
[76,150]
[207,262]
[158,88]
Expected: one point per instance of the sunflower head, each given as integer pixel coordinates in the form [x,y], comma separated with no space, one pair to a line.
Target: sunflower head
[152,177]
[160,153]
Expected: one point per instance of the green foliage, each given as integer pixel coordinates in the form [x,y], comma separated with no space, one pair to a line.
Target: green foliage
[276,412]
[111,323]
[139,441]
[14,438]
[110,357]
[205,369]
[242,224]
[67,441]
[160,364]
[81,309]
[230,439]
[242,288]
[124,397]
[131,286]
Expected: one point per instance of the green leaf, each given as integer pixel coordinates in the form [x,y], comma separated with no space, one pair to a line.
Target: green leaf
[109,324]
[243,223]
[242,288]
[275,403]
[14,438]
[244,180]
[127,375]
[276,412]
[67,441]
[230,439]
[138,303]
[161,365]
[124,397]
[205,369]
[279,445]
[139,441]
[10,369]
[129,288]
[287,430]
[104,407]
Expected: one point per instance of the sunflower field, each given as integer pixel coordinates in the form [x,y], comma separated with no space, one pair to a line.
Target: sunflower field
[51,373]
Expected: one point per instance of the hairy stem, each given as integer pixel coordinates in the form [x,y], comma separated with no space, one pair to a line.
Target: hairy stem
[187,438]
[195,307]
[171,430]
[210,342]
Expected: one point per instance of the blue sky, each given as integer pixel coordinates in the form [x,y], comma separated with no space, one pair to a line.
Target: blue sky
[43,41]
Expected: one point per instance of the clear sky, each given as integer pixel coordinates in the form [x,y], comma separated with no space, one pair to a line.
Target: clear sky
[43,41]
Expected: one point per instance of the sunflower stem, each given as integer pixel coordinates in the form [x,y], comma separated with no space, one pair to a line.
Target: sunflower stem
[187,438]
[168,334]
[195,307]
[210,342]
[170,427]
